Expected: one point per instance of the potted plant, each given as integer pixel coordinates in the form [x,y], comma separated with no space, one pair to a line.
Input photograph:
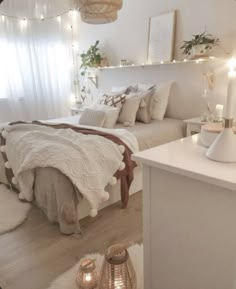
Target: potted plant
[199,45]
[91,58]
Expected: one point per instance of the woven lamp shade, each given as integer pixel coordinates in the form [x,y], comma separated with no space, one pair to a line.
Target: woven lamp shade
[99,18]
[99,6]
[99,11]
[117,271]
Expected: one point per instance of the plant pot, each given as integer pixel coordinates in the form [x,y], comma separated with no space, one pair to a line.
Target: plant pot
[199,51]
[104,62]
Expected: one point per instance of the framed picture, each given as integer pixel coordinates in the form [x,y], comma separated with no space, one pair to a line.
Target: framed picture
[161,37]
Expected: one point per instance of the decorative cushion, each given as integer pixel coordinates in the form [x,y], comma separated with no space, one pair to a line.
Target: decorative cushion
[144,113]
[129,110]
[115,100]
[92,117]
[111,114]
[160,97]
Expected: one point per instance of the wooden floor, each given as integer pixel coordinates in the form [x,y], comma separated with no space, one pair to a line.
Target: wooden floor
[36,253]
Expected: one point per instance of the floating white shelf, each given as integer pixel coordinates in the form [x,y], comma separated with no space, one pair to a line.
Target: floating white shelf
[197,61]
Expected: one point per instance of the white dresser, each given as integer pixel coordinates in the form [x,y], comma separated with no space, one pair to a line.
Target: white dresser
[189,218]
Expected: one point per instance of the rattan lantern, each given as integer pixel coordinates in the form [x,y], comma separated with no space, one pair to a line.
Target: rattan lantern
[99,6]
[99,11]
[87,277]
[117,271]
[99,18]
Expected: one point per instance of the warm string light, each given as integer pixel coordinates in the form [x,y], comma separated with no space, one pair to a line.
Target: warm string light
[75,88]
[162,62]
[24,21]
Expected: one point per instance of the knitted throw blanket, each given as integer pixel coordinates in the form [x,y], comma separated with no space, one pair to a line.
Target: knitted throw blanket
[90,159]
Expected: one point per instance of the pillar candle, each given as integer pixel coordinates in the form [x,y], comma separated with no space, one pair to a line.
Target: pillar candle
[231,94]
[219,111]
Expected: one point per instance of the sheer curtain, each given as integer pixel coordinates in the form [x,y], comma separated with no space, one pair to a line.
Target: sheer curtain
[35,62]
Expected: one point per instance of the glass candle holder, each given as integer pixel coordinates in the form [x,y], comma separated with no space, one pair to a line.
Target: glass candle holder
[87,277]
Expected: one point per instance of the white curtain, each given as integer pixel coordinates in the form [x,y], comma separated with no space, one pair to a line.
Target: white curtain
[35,61]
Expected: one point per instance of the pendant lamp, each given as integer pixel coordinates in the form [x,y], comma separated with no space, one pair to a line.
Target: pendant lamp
[99,18]
[99,11]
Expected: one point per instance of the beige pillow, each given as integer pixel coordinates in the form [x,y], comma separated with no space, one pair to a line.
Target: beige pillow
[129,110]
[92,117]
[144,113]
[112,114]
[161,98]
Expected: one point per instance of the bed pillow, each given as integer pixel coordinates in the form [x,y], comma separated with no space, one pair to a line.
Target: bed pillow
[112,114]
[144,113]
[118,89]
[125,89]
[129,110]
[92,117]
[131,89]
[144,87]
[160,100]
[115,100]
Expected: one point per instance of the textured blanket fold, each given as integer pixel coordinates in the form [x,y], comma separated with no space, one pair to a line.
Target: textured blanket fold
[89,160]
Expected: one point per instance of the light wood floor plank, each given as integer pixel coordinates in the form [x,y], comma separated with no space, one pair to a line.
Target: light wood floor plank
[36,253]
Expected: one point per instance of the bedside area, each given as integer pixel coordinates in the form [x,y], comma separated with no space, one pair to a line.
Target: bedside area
[76,111]
[194,125]
[189,205]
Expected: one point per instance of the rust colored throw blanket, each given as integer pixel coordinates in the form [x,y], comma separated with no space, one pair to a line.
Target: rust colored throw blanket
[125,176]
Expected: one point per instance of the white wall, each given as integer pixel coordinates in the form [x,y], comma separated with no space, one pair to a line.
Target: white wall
[127,39]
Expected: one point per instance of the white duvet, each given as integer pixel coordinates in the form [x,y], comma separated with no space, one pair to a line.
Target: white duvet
[89,161]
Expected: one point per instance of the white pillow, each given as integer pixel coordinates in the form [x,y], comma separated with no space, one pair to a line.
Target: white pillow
[144,113]
[129,110]
[144,87]
[160,97]
[125,89]
[120,89]
[112,114]
[92,117]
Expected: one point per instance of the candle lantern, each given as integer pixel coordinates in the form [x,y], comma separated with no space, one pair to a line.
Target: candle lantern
[117,271]
[87,276]
[223,148]
[219,113]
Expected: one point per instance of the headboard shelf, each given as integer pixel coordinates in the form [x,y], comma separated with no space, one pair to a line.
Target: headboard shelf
[144,65]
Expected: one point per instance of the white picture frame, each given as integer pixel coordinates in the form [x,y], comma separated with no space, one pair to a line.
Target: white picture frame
[161,37]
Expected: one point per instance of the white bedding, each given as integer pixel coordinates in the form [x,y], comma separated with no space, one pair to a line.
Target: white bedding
[148,135]
[51,196]
[89,161]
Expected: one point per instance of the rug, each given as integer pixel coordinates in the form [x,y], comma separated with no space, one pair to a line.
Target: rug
[67,279]
[13,212]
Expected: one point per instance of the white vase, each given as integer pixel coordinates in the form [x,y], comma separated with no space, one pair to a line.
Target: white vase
[199,51]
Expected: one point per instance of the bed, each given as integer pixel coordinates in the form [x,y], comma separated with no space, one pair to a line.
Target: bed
[61,201]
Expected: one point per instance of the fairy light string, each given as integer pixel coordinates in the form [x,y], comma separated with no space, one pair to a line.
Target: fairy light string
[41,18]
